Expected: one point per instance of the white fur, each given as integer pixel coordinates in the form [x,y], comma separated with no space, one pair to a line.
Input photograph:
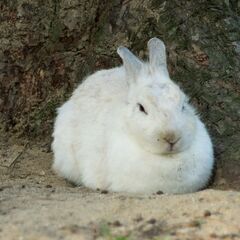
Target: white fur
[103,140]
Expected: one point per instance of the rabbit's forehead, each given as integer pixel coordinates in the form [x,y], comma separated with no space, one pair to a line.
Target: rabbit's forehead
[162,93]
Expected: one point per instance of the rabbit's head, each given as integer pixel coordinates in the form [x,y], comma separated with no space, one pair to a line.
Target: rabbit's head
[158,114]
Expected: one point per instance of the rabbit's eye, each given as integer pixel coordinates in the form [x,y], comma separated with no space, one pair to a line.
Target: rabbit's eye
[183,108]
[141,108]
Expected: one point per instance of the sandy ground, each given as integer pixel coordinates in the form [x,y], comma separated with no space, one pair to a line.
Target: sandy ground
[36,204]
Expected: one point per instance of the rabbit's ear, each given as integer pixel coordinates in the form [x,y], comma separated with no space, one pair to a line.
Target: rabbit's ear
[131,63]
[157,52]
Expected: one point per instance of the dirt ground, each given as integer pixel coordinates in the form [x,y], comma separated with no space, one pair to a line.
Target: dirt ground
[35,204]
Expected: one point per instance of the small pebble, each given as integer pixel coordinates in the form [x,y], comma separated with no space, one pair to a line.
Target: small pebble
[213,235]
[194,223]
[116,223]
[3,213]
[104,192]
[152,221]
[42,173]
[207,213]
[173,233]
[222,181]
[147,227]
[138,218]
[159,192]
[48,186]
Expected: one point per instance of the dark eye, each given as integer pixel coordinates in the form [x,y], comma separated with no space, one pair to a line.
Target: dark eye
[141,108]
[183,108]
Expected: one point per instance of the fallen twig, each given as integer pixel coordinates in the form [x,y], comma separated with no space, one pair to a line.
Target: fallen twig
[13,163]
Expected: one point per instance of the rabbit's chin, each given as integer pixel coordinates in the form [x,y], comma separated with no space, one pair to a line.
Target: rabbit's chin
[167,152]
[173,152]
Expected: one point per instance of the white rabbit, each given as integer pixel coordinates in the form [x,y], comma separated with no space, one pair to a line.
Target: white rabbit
[131,129]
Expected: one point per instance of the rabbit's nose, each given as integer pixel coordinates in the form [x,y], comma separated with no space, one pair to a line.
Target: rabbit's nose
[171,138]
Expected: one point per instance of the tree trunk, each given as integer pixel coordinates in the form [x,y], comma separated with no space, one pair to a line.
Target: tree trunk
[48,46]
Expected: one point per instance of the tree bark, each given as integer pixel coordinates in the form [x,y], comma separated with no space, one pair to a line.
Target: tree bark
[48,46]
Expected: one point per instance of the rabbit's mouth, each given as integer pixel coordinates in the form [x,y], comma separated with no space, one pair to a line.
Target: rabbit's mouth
[175,149]
[171,148]
[166,149]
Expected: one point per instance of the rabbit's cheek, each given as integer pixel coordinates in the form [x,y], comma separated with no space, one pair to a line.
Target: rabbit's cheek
[182,145]
[191,126]
[190,131]
[186,141]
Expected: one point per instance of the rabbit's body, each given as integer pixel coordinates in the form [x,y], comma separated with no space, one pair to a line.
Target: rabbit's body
[95,144]
[85,136]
